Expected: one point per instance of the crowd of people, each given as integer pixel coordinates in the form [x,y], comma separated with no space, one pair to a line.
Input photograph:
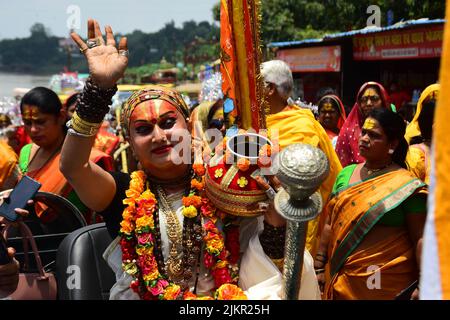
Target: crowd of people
[170,242]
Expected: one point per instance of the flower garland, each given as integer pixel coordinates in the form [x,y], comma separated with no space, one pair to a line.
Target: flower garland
[138,236]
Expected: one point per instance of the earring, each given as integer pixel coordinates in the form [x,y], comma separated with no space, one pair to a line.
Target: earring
[391,151]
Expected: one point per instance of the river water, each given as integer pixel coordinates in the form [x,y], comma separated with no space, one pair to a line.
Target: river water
[10,81]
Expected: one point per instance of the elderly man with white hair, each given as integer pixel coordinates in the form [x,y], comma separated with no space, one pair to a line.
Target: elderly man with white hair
[293,124]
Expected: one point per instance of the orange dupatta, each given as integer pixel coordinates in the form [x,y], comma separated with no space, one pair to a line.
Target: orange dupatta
[353,212]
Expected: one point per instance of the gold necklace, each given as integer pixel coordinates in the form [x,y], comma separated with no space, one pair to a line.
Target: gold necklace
[372,171]
[174,265]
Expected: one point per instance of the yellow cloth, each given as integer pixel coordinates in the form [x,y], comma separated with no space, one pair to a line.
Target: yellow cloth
[435,280]
[297,125]
[8,162]
[418,162]
[413,130]
[393,253]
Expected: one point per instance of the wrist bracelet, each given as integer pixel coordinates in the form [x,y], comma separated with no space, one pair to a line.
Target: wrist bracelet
[72,132]
[93,103]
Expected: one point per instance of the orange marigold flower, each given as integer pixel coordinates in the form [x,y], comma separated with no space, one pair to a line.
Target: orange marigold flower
[198,185]
[145,221]
[151,275]
[192,200]
[229,291]
[189,296]
[126,226]
[205,298]
[243,164]
[199,169]
[172,291]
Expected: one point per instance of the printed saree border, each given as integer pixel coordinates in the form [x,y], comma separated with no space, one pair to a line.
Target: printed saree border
[370,218]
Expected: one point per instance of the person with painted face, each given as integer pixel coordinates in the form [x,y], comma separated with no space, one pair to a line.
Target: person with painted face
[372,95]
[371,242]
[170,241]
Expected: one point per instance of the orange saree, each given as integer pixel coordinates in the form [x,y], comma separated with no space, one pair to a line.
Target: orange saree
[52,180]
[378,270]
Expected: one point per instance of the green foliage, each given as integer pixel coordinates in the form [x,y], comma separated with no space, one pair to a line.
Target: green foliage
[37,53]
[285,20]
[193,43]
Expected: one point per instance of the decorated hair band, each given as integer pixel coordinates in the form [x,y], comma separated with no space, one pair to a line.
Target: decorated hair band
[151,93]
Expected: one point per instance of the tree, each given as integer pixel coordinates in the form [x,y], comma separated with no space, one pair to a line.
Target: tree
[286,20]
[39,30]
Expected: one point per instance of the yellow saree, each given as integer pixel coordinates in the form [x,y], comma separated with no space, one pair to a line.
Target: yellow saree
[353,212]
[418,161]
[413,129]
[297,125]
[8,164]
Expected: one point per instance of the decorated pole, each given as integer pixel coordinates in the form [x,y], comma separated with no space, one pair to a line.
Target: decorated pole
[240,54]
[301,170]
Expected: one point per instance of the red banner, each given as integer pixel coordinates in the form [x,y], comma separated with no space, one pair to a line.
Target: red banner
[404,44]
[315,59]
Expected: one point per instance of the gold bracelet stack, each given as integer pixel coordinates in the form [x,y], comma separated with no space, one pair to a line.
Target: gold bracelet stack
[82,126]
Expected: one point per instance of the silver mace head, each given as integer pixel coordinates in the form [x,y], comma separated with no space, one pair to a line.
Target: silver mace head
[301,169]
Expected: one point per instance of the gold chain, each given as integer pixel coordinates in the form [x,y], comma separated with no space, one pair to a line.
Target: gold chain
[174,265]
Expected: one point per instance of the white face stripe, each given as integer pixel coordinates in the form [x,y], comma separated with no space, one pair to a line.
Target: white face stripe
[157,103]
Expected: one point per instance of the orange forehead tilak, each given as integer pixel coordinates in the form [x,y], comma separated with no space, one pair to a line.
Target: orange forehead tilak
[30,113]
[152,110]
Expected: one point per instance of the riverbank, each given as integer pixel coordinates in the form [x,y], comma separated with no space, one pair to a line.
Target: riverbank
[9,81]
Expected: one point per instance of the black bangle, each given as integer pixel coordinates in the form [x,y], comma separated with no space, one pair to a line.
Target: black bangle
[93,103]
[272,240]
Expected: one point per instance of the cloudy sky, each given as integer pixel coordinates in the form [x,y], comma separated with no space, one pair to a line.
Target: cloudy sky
[17,16]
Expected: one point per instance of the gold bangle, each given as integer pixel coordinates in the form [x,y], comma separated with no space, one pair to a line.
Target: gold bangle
[82,126]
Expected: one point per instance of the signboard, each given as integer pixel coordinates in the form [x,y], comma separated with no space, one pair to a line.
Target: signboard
[315,59]
[399,44]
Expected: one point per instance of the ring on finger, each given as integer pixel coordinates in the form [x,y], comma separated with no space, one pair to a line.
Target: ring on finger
[124,53]
[83,50]
[270,192]
[92,43]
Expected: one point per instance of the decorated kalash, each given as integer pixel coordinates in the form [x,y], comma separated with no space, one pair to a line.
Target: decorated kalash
[247,148]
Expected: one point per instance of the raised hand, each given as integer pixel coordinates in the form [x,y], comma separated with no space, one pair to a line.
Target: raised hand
[106,63]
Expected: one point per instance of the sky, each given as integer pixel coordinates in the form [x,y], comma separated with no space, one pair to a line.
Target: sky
[124,16]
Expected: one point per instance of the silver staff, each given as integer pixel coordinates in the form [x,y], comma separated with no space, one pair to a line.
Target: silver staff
[301,170]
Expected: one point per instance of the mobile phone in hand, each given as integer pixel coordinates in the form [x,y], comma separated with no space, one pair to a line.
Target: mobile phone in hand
[25,190]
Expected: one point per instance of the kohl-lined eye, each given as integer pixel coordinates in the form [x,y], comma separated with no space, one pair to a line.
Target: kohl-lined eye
[167,123]
[144,129]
